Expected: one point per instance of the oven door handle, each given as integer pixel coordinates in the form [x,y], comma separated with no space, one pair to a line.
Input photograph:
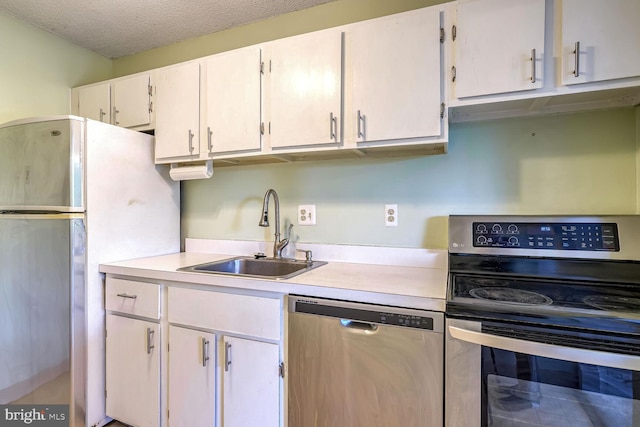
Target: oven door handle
[572,354]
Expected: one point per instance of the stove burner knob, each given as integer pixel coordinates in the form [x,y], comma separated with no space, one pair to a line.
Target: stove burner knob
[482,240]
[513,241]
[497,228]
[513,229]
[481,228]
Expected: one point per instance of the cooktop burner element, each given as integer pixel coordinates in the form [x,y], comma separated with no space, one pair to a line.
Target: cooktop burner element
[613,303]
[511,296]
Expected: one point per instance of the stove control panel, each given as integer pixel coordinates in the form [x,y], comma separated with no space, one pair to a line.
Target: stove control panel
[556,236]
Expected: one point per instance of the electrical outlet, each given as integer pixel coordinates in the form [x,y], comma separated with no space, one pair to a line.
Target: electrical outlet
[391,215]
[306,214]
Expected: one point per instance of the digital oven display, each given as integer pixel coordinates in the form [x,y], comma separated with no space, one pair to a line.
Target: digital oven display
[553,236]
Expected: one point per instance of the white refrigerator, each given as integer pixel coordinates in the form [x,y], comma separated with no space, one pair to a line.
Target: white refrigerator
[74,193]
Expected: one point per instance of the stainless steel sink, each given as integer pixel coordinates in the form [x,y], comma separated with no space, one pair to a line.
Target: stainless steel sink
[264,268]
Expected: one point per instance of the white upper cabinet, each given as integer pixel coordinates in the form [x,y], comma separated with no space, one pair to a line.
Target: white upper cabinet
[231,101]
[94,102]
[607,37]
[178,113]
[131,101]
[499,46]
[393,66]
[306,90]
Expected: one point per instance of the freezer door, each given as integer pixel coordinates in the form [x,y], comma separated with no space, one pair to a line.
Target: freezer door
[42,311]
[41,166]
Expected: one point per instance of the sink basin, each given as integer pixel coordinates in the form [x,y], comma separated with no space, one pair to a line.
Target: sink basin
[265,268]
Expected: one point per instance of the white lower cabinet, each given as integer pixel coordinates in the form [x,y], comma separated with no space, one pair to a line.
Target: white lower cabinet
[224,359]
[251,383]
[133,371]
[192,377]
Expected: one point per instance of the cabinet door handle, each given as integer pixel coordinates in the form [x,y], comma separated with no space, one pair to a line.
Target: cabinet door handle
[150,346]
[115,113]
[205,352]
[190,141]
[333,127]
[102,114]
[124,295]
[227,356]
[576,52]
[361,125]
[533,65]
[209,144]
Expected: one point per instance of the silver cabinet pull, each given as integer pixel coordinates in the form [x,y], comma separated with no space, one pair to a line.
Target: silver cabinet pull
[227,356]
[333,126]
[533,65]
[205,352]
[115,113]
[124,295]
[576,52]
[190,142]
[209,144]
[102,114]
[361,125]
[150,346]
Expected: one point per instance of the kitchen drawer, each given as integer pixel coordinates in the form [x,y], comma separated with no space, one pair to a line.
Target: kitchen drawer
[240,314]
[130,297]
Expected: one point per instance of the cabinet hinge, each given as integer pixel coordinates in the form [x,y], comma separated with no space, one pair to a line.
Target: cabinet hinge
[151,107]
[150,90]
[441,35]
[442,110]
[281,369]
[261,67]
[454,32]
[453,74]
[269,65]
[269,128]
[262,128]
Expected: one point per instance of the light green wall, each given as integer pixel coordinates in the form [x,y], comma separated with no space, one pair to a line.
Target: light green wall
[566,164]
[338,12]
[38,69]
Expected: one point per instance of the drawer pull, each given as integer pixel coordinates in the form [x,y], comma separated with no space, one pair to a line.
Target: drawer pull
[123,295]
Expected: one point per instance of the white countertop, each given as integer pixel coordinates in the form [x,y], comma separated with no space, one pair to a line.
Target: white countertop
[415,278]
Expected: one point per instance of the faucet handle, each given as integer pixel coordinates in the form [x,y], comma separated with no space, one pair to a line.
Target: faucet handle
[308,254]
[259,255]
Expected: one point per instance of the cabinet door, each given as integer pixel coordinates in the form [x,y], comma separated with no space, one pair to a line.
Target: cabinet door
[396,77]
[133,371]
[177,112]
[94,102]
[305,90]
[231,101]
[251,386]
[192,385]
[494,46]
[607,35]
[131,103]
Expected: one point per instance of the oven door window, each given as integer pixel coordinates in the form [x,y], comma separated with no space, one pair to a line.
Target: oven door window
[524,390]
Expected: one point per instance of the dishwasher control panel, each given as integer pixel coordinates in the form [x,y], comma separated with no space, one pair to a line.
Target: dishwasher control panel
[347,313]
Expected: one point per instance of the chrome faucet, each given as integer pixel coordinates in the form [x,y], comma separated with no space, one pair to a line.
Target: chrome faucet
[278,245]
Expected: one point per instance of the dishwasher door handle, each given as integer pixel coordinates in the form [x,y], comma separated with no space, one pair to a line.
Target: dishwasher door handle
[359,327]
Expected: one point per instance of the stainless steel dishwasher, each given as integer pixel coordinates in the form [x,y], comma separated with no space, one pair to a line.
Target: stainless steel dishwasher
[353,364]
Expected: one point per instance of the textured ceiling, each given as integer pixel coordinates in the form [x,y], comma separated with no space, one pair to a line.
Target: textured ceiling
[115,28]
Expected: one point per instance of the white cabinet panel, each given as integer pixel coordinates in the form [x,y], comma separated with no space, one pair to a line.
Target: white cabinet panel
[395,65]
[131,101]
[607,34]
[231,94]
[94,102]
[494,46]
[306,89]
[192,385]
[133,371]
[131,297]
[251,395]
[178,112]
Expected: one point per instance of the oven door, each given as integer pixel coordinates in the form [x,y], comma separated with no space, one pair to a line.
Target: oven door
[500,381]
